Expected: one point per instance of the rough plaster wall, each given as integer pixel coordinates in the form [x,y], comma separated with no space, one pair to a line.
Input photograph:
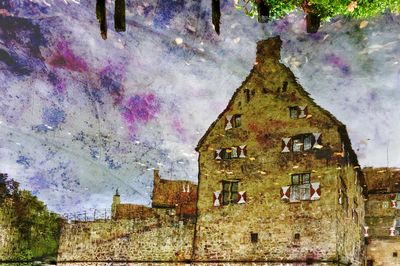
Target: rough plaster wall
[224,233]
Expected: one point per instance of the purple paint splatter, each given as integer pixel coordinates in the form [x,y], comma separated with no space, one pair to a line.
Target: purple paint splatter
[140,108]
[336,61]
[65,58]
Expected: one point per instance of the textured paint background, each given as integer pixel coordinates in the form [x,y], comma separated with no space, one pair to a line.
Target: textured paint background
[81,116]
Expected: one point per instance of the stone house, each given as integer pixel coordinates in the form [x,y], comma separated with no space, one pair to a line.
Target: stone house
[278,178]
[176,197]
[382,216]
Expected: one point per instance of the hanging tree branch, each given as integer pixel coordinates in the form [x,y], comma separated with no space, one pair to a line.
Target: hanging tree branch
[101,17]
[313,18]
[317,10]
[263,11]
[216,14]
[119,16]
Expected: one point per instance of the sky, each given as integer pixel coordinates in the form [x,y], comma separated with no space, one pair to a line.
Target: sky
[81,116]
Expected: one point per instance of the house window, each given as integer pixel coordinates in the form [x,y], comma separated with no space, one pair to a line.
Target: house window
[293,112]
[300,188]
[302,142]
[231,153]
[254,237]
[298,112]
[394,254]
[397,227]
[284,87]
[230,192]
[237,120]
[370,262]
[247,92]
[303,178]
[397,199]
[227,154]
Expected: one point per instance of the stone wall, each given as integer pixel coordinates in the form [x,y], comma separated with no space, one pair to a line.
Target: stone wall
[194,264]
[154,239]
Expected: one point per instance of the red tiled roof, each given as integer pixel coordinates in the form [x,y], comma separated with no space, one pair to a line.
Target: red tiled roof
[179,194]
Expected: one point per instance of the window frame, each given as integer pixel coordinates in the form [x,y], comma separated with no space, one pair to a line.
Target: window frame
[230,196]
[293,110]
[298,141]
[300,190]
[237,124]
[397,226]
[227,153]
[301,178]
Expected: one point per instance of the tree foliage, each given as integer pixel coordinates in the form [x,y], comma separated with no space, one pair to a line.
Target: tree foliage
[324,8]
[38,230]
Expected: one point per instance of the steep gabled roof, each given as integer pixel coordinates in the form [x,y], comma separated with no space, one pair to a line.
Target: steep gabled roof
[271,48]
[172,193]
[382,180]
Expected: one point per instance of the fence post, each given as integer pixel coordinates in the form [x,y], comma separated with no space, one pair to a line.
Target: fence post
[94,215]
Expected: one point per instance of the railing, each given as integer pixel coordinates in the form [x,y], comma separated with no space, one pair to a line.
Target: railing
[89,215]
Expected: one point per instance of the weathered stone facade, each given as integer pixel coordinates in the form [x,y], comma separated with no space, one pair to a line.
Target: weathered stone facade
[383,216]
[256,156]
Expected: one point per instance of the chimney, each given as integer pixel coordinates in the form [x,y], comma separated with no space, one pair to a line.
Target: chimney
[116,201]
[156,176]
